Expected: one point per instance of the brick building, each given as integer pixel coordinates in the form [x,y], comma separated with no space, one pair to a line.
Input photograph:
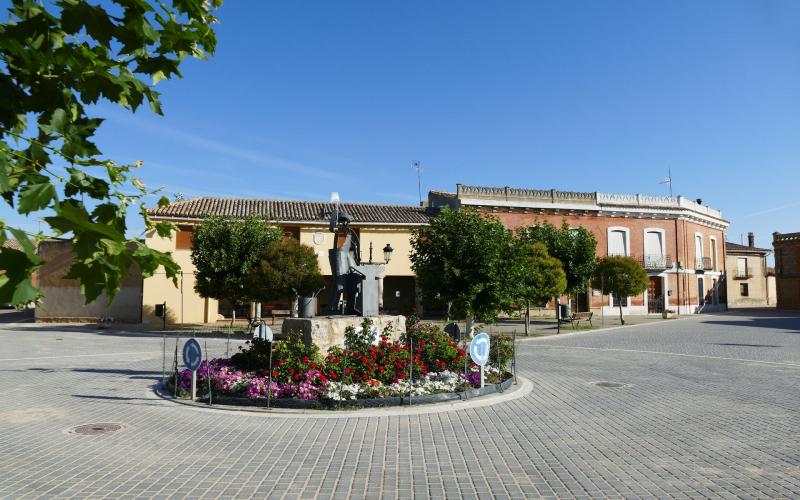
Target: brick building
[787,269]
[679,242]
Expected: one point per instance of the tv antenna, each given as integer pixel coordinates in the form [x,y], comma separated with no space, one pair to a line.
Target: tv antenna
[668,180]
[416,166]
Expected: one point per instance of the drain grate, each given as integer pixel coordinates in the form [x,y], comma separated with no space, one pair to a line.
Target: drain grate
[92,429]
[611,385]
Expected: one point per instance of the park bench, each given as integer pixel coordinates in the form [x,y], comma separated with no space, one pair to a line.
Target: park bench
[279,312]
[576,317]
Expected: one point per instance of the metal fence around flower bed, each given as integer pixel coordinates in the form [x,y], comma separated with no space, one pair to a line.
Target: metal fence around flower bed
[220,343]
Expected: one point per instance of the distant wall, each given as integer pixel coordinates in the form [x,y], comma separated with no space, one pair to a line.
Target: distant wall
[63,300]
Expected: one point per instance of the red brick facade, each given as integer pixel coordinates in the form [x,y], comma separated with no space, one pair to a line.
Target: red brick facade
[678,283]
[787,269]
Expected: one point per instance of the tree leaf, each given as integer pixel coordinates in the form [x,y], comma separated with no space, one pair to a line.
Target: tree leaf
[36,197]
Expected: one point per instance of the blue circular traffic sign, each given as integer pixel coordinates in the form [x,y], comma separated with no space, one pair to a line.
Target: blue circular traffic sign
[479,349]
[192,354]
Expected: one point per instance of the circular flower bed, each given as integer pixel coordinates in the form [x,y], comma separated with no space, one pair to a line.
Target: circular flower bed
[368,369]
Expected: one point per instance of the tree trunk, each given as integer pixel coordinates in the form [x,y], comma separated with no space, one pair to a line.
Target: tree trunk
[558,314]
[233,315]
[470,326]
[527,316]
[622,321]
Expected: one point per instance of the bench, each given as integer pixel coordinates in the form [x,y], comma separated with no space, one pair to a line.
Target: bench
[577,317]
[279,312]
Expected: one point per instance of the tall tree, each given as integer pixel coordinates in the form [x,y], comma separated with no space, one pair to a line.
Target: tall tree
[539,277]
[57,58]
[460,260]
[224,251]
[286,269]
[575,247]
[621,276]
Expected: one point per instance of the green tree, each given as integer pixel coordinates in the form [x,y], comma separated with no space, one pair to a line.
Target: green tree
[286,269]
[57,58]
[539,277]
[574,247]
[460,260]
[621,276]
[224,251]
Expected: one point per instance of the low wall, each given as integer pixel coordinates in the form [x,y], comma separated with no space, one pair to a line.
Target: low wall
[328,331]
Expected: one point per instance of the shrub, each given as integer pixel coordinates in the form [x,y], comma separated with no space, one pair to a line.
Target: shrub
[291,358]
[435,348]
[502,347]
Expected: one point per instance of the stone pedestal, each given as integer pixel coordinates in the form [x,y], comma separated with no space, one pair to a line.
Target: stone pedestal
[327,331]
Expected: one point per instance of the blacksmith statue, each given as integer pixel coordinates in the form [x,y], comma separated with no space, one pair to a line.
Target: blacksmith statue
[344,258]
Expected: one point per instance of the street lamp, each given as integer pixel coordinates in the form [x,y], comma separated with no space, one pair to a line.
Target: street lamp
[387,252]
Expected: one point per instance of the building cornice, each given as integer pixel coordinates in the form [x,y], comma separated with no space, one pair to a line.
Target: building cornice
[593,203]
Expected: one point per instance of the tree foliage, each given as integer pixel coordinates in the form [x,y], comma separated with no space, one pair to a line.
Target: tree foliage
[57,58]
[574,247]
[461,262]
[621,276]
[224,251]
[285,267]
[539,277]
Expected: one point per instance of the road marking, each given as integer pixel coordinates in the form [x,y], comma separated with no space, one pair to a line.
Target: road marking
[780,363]
[83,355]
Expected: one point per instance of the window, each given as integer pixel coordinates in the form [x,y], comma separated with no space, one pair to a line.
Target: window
[618,300]
[741,267]
[713,244]
[653,243]
[743,290]
[698,246]
[183,238]
[618,241]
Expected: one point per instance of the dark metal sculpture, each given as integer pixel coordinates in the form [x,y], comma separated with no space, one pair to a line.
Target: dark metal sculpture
[343,259]
[352,279]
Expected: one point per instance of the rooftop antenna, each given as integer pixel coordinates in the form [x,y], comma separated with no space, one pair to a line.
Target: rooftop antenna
[668,180]
[416,166]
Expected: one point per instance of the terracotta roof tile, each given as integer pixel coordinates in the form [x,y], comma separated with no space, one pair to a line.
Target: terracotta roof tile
[735,247]
[291,211]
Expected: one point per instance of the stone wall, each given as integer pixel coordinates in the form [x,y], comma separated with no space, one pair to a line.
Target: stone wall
[328,331]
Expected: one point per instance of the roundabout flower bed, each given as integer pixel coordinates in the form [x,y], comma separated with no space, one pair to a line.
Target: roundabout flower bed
[369,372]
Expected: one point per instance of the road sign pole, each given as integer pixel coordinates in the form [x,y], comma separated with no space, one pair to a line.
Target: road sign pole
[482,378]
[194,385]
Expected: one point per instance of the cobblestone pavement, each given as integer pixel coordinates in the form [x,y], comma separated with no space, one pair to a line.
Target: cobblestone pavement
[711,408]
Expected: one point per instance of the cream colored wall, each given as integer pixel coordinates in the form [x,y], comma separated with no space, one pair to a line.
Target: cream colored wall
[399,238]
[756,285]
[158,289]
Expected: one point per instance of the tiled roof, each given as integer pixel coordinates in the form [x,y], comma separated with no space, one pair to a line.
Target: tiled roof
[737,248]
[291,211]
[13,244]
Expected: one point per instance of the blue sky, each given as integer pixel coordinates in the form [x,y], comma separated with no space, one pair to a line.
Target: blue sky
[305,98]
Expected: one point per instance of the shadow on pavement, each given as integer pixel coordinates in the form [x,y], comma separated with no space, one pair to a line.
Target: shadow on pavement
[14,316]
[118,371]
[758,318]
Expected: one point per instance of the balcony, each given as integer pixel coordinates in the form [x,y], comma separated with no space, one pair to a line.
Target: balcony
[656,262]
[703,264]
[742,275]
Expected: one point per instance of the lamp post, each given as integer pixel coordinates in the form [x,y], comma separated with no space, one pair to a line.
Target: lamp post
[387,252]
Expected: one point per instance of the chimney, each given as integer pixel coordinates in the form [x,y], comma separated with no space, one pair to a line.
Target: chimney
[751,240]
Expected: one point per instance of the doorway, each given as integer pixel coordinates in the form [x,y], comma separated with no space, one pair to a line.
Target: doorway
[701,295]
[655,295]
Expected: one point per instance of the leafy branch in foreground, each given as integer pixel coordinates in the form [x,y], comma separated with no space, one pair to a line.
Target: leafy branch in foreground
[54,62]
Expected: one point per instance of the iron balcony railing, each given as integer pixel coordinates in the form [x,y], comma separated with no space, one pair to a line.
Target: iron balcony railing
[703,264]
[654,262]
[742,275]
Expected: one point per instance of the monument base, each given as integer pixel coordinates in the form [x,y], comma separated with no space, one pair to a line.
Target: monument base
[328,331]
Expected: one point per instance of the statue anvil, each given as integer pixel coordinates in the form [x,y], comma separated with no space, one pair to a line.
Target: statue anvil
[351,278]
